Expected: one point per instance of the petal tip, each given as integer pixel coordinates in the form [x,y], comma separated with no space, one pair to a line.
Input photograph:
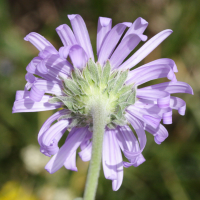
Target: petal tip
[71,17]
[60,27]
[143,21]
[104,21]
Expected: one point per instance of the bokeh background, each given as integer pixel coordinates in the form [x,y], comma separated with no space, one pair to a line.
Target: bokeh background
[171,170]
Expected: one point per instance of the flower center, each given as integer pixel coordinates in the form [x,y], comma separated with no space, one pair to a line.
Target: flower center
[92,85]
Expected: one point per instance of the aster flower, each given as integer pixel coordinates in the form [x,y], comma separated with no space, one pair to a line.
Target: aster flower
[73,82]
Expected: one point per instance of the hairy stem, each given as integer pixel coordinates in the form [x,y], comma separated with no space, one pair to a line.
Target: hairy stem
[99,115]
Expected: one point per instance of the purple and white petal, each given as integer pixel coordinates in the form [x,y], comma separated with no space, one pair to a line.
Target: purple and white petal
[70,162]
[86,148]
[66,35]
[47,51]
[163,61]
[104,27]
[124,49]
[67,150]
[78,56]
[64,51]
[178,104]
[128,143]
[147,48]
[28,105]
[81,34]
[167,117]
[38,41]
[49,121]
[111,41]
[150,72]
[112,159]
[36,94]
[21,94]
[57,63]
[48,87]
[160,133]
[31,67]
[172,87]
[138,27]
[135,162]
[41,67]
[30,78]
[162,97]
[139,129]
[52,132]
[86,153]
[147,116]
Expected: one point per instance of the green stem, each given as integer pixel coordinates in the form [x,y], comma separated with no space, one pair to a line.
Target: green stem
[99,115]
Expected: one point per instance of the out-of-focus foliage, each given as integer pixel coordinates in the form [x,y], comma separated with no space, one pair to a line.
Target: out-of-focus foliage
[171,170]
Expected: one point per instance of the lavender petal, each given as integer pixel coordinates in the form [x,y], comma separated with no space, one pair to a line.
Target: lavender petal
[66,151]
[112,159]
[111,41]
[147,48]
[66,35]
[28,105]
[81,34]
[38,41]
[104,27]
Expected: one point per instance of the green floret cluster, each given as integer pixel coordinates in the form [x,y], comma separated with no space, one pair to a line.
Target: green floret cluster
[94,84]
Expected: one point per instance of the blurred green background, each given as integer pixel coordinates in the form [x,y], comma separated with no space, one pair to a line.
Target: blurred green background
[171,170]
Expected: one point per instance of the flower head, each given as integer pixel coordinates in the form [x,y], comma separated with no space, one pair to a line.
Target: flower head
[71,80]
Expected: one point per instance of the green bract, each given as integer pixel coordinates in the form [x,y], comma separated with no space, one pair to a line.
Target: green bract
[94,84]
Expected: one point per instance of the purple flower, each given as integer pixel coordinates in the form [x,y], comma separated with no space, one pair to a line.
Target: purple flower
[70,78]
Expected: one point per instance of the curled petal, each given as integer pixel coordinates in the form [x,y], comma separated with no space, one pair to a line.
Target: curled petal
[150,72]
[162,97]
[147,48]
[30,78]
[49,121]
[130,145]
[136,162]
[104,27]
[78,56]
[64,51]
[50,139]
[167,117]
[56,63]
[139,129]
[41,67]
[160,133]
[31,67]
[111,41]
[178,104]
[81,34]
[172,87]
[38,41]
[66,35]
[148,116]
[47,51]
[67,150]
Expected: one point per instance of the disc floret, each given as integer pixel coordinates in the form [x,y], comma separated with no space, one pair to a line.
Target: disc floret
[92,85]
